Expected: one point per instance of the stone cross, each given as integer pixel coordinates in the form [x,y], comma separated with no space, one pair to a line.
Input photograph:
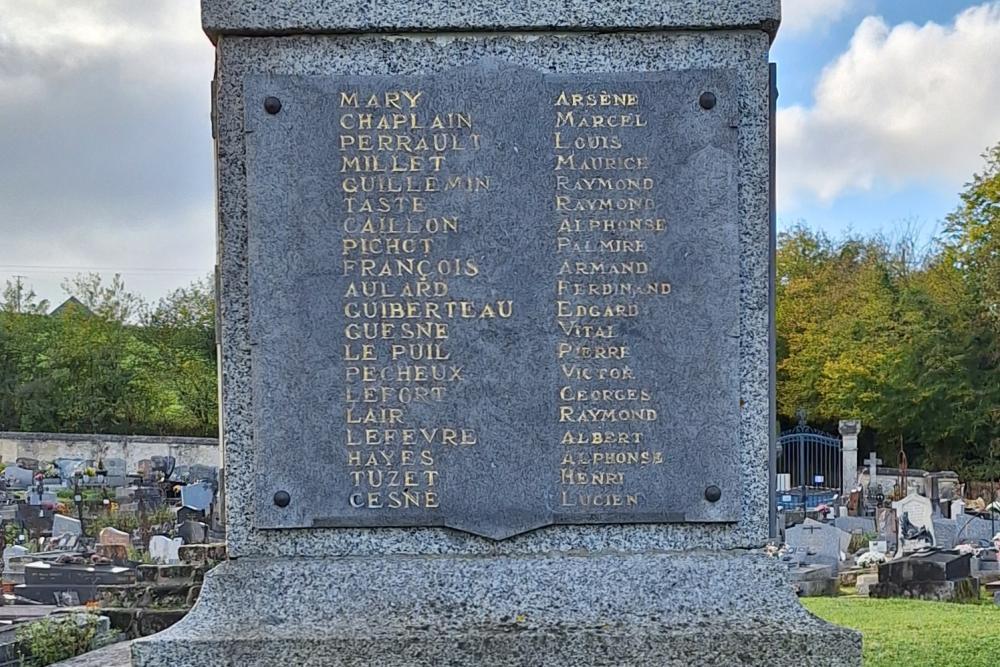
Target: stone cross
[873,463]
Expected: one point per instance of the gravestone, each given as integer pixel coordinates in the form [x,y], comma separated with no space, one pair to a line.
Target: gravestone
[203,473]
[931,575]
[184,513]
[115,467]
[13,551]
[853,524]
[163,465]
[817,543]
[36,519]
[149,497]
[974,529]
[18,477]
[27,462]
[145,469]
[115,472]
[44,580]
[68,467]
[864,583]
[945,533]
[886,526]
[163,549]
[35,498]
[817,580]
[193,532]
[113,544]
[957,508]
[65,525]
[197,496]
[915,524]
[494,326]
[110,535]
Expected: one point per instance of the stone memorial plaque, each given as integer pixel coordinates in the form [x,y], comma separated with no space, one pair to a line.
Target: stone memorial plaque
[494,299]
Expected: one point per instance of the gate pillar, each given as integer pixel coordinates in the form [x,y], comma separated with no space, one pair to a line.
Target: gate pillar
[849,430]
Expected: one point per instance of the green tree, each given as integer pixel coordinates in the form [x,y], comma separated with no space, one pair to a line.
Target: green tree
[111,301]
[84,373]
[971,248]
[907,342]
[972,238]
[836,331]
[186,316]
[182,326]
[21,298]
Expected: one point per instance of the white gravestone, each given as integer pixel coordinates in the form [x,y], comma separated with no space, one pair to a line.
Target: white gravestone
[165,550]
[915,523]
[13,551]
[65,525]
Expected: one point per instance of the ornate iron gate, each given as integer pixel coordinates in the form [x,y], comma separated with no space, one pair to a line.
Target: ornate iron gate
[810,468]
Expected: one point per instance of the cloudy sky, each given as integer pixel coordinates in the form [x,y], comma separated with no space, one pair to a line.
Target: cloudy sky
[106,157]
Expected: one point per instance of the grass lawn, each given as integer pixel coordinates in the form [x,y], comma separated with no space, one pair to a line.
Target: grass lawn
[915,633]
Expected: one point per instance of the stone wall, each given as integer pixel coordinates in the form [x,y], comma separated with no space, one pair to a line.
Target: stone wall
[132,448]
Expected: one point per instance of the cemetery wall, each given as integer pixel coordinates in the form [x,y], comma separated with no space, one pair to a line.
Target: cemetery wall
[131,448]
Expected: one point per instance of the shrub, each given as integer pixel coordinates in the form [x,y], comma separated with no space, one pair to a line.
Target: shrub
[53,639]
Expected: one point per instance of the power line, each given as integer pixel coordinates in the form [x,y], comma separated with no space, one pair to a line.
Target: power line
[35,268]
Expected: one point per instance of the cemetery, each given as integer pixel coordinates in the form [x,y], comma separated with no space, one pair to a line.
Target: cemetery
[511,360]
[889,532]
[86,538]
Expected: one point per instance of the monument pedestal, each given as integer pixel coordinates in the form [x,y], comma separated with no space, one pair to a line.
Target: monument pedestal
[613,609]
[576,481]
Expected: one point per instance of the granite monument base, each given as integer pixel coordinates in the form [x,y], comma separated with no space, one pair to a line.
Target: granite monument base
[613,609]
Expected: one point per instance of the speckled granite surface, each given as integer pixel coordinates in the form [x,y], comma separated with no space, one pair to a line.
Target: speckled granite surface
[116,655]
[310,16]
[609,610]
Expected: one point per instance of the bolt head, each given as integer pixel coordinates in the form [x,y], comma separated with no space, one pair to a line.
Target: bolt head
[707,101]
[282,499]
[272,105]
[713,493]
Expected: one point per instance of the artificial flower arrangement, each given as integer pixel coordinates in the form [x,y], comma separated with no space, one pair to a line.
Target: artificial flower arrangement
[870,559]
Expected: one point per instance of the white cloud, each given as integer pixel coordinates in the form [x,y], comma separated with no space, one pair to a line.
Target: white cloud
[903,105]
[105,138]
[800,16]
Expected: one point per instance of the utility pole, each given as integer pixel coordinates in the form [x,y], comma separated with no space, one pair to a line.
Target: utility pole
[18,289]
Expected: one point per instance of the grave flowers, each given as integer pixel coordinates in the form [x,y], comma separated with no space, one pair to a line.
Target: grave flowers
[871,559]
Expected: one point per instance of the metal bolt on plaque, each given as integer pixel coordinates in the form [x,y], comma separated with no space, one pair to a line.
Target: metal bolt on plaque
[272,105]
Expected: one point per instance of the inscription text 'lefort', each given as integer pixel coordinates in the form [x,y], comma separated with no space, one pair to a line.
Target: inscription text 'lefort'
[494,299]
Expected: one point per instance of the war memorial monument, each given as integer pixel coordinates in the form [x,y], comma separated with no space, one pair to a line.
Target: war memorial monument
[495,315]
